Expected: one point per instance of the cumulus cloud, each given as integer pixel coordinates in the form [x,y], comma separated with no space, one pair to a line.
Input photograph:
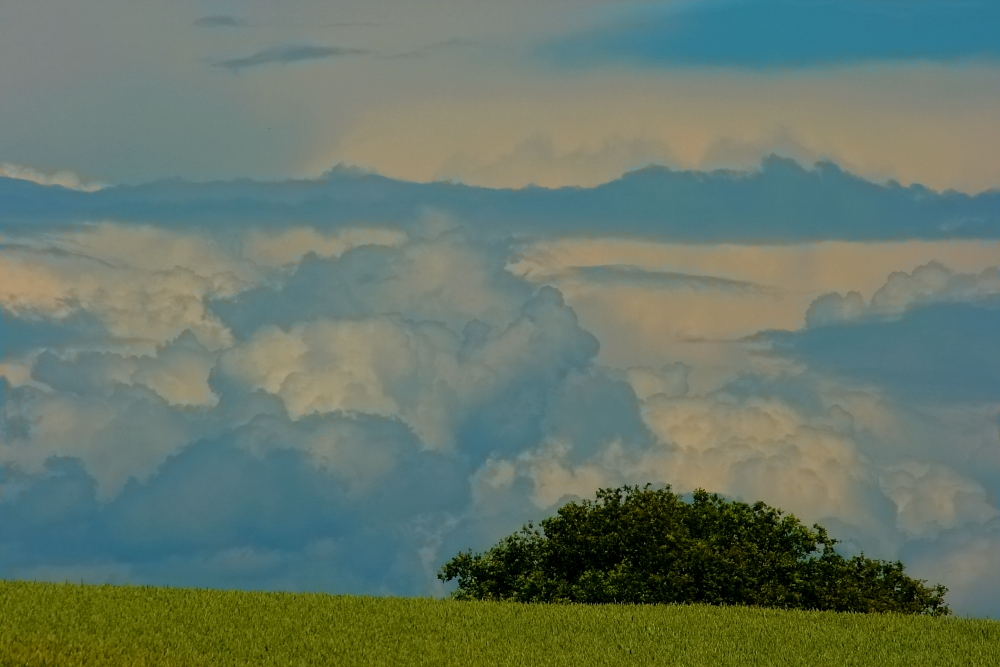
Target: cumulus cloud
[138,305]
[969,557]
[925,335]
[117,434]
[928,284]
[283,55]
[827,451]
[371,412]
[178,371]
[279,403]
[286,247]
[144,285]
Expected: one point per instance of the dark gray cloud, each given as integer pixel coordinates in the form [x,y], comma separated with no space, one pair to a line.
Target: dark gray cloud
[781,202]
[944,353]
[283,55]
[220,21]
[928,335]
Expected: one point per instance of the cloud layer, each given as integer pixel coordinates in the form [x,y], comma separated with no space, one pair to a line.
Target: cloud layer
[779,202]
[335,386]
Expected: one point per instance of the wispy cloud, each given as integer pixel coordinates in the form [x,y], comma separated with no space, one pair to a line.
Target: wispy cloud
[220,21]
[436,47]
[283,55]
[624,274]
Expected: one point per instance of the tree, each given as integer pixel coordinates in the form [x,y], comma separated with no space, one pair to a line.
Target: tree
[642,545]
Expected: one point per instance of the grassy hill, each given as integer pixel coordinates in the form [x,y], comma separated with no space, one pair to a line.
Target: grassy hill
[68,624]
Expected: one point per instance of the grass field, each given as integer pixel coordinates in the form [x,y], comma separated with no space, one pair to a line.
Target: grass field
[69,624]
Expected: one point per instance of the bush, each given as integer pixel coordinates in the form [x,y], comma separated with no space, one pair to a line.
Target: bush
[640,545]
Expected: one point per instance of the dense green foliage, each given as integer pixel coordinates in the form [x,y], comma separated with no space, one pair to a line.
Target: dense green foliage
[640,545]
[67,625]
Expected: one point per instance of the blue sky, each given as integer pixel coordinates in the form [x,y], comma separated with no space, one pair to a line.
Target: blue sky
[312,296]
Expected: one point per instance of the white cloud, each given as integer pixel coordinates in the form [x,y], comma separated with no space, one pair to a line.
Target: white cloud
[931,498]
[281,398]
[847,458]
[650,324]
[63,177]
[927,284]
[117,434]
[421,372]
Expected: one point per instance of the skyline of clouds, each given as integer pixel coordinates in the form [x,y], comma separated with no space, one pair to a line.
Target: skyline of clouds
[816,203]
[729,247]
[276,404]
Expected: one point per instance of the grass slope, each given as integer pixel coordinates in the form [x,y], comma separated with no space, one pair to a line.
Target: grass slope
[68,624]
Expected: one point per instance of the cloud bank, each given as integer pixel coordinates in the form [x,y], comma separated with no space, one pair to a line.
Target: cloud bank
[780,202]
[332,385]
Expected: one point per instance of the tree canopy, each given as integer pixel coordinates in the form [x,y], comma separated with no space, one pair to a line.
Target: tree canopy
[644,545]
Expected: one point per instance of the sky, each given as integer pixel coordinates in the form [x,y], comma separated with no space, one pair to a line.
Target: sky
[312,295]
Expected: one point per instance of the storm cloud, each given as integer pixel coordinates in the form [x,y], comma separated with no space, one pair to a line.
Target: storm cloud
[300,396]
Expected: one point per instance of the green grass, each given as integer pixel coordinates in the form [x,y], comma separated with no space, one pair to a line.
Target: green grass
[68,624]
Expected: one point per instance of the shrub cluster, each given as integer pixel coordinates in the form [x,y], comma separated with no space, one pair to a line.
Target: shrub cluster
[644,545]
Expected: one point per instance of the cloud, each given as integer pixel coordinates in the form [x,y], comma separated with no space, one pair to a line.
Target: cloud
[178,371]
[924,334]
[928,284]
[369,411]
[788,33]
[536,160]
[969,555]
[145,285]
[283,55]
[651,322]
[274,402]
[942,352]
[779,202]
[286,247]
[62,178]
[220,21]
[827,451]
[624,274]
[144,305]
